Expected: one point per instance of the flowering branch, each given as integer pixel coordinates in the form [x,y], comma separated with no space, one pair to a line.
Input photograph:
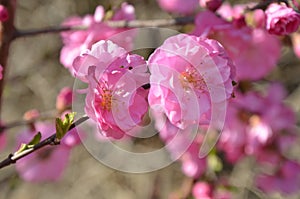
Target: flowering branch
[114,24]
[52,140]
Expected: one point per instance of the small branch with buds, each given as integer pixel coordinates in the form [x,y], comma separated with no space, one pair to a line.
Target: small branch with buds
[52,140]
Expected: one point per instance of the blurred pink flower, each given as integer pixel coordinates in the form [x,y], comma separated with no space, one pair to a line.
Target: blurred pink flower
[250,126]
[3,13]
[1,70]
[281,20]
[115,98]
[48,163]
[192,165]
[76,41]
[178,6]
[64,99]
[2,140]
[286,180]
[243,45]
[259,18]
[188,74]
[183,145]
[222,194]
[229,12]
[202,190]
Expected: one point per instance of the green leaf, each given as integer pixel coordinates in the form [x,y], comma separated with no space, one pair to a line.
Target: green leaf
[62,126]
[215,163]
[35,140]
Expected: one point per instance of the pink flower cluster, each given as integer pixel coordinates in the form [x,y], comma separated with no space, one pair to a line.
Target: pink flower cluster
[286,178]
[251,130]
[115,97]
[250,126]
[76,41]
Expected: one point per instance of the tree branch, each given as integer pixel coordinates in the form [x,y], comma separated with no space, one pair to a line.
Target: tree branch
[51,140]
[114,24]
[42,117]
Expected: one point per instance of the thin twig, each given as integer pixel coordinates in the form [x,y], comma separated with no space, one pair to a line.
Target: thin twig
[114,24]
[51,140]
[33,32]
[42,117]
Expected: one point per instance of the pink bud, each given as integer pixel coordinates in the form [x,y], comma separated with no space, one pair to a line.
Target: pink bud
[31,114]
[178,6]
[3,13]
[1,70]
[259,18]
[2,140]
[64,99]
[202,190]
[281,20]
[211,5]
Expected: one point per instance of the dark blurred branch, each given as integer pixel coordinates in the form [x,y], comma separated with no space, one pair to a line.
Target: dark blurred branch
[42,117]
[52,29]
[52,140]
[7,32]
[114,24]
[264,4]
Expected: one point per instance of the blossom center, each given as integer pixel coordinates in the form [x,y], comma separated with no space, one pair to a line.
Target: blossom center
[106,99]
[191,77]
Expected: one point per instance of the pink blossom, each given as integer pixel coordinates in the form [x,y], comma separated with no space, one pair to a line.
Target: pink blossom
[48,163]
[77,41]
[202,190]
[31,114]
[178,6]
[101,55]
[115,98]
[64,99]
[3,14]
[188,74]
[281,20]
[211,5]
[243,44]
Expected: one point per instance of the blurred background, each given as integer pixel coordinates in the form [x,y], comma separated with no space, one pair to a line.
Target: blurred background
[35,77]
